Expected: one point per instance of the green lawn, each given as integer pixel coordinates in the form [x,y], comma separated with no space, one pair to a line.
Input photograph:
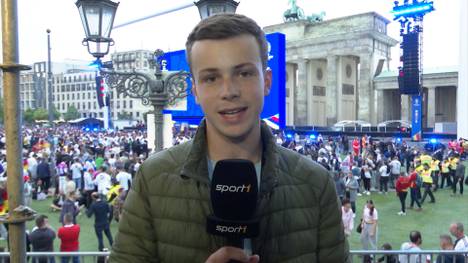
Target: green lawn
[432,221]
[88,239]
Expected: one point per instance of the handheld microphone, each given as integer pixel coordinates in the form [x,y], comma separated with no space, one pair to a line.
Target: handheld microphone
[234,192]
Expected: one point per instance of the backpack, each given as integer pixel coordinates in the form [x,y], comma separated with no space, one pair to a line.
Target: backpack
[388,168]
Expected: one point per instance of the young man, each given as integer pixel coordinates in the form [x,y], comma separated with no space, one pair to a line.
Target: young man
[395,170]
[42,239]
[402,185]
[413,245]
[427,183]
[414,186]
[69,235]
[459,178]
[164,218]
[102,214]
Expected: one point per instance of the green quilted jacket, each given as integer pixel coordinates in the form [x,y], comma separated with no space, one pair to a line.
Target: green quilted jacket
[165,212]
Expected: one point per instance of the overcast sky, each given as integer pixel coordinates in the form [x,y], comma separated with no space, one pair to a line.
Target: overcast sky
[168,32]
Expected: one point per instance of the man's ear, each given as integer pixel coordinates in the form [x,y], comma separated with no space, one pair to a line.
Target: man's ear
[267,79]
[194,90]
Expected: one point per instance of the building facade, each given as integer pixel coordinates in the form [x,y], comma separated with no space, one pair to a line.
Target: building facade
[336,70]
[439,96]
[74,83]
[330,68]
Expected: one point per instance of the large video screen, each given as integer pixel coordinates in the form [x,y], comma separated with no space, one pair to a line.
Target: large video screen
[275,103]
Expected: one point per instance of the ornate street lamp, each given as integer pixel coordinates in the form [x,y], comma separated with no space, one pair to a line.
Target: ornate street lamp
[208,8]
[97,17]
[160,89]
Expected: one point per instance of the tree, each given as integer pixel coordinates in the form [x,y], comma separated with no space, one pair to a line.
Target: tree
[40,114]
[28,115]
[31,115]
[56,113]
[71,114]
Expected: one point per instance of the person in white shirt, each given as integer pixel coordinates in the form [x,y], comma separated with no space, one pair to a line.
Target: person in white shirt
[347,217]
[112,160]
[370,218]
[76,170]
[124,178]
[461,240]
[384,175]
[395,169]
[32,165]
[103,181]
[367,177]
[89,186]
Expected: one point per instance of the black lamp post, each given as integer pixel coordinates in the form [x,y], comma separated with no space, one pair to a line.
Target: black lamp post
[97,17]
[160,89]
[208,8]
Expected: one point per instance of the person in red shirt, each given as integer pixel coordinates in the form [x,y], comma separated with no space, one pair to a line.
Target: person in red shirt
[402,185]
[356,146]
[452,145]
[69,235]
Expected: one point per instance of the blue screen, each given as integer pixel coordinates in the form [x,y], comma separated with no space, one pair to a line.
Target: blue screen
[275,103]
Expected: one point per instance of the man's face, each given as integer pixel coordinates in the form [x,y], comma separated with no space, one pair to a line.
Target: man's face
[453,230]
[229,84]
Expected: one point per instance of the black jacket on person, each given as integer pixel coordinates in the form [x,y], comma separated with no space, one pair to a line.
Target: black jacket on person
[460,171]
[42,239]
[101,211]
[449,259]
[43,170]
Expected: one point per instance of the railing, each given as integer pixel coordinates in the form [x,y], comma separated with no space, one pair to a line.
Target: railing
[367,256]
[51,257]
[371,256]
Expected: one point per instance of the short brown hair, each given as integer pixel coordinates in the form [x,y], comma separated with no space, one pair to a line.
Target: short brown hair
[224,26]
[446,238]
[40,220]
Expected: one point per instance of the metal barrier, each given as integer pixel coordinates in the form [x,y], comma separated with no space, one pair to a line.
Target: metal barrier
[367,256]
[56,257]
[423,256]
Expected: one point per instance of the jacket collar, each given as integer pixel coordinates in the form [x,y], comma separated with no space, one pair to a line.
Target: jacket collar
[196,164]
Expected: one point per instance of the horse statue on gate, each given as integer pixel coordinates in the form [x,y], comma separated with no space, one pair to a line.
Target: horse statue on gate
[316,17]
[294,13]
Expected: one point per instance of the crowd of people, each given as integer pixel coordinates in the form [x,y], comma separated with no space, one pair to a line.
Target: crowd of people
[91,172]
[379,167]
[78,172]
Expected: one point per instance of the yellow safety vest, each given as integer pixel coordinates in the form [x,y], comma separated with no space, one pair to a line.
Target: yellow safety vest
[113,190]
[445,167]
[426,159]
[426,176]
[435,165]
[419,169]
[453,163]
